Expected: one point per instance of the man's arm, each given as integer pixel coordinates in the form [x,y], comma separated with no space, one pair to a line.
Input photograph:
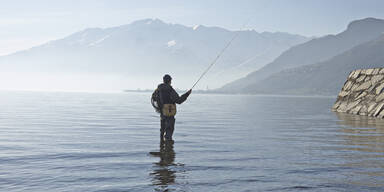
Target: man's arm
[177,99]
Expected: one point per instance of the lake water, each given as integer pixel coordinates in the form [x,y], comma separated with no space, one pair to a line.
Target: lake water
[110,142]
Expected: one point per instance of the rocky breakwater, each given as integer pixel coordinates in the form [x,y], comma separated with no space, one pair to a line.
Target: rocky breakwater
[362,93]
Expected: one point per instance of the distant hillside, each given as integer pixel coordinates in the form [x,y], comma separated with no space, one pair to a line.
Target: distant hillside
[325,78]
[311,52]
[138,54]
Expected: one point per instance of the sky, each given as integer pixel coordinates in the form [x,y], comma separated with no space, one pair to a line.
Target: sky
[26,23]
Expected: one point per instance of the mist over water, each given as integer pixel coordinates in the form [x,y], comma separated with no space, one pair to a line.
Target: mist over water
[65,82]
[110,142]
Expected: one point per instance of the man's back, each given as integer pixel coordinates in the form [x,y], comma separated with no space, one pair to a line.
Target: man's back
[169,96]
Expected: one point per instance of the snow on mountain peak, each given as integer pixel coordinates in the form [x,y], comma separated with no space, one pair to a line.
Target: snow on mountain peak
[171,43]
[99,40]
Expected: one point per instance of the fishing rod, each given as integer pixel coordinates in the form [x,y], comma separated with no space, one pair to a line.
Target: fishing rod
[220,53]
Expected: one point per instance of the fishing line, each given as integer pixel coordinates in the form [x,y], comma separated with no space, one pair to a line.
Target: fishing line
[221,52]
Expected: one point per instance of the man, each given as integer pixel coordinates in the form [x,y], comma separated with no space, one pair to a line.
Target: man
[168,99]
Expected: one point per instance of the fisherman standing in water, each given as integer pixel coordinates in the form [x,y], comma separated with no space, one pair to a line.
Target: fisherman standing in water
[166,98]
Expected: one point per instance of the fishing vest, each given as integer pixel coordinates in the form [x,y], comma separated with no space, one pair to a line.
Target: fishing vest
[168,107]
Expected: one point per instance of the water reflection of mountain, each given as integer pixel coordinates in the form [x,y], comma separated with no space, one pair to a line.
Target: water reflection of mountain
[162,174]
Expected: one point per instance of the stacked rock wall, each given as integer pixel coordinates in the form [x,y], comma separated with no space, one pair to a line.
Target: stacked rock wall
[362,93]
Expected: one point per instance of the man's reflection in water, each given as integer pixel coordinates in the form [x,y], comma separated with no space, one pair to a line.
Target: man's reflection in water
[162,174]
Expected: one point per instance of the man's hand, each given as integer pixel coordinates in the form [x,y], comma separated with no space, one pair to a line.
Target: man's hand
[189,92]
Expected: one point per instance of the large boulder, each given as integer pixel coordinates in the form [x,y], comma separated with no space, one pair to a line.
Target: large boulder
[362,93]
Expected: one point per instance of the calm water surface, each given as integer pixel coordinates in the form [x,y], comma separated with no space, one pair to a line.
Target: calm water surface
[110,142]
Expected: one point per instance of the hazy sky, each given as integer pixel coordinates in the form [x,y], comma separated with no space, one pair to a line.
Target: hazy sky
[25,23]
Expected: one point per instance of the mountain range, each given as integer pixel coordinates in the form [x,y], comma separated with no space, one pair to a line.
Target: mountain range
[137,55]
[319,66]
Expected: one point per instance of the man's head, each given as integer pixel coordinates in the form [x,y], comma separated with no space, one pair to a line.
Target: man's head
[167,79]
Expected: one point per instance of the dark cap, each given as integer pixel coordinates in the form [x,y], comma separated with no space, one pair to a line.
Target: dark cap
[167,78]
